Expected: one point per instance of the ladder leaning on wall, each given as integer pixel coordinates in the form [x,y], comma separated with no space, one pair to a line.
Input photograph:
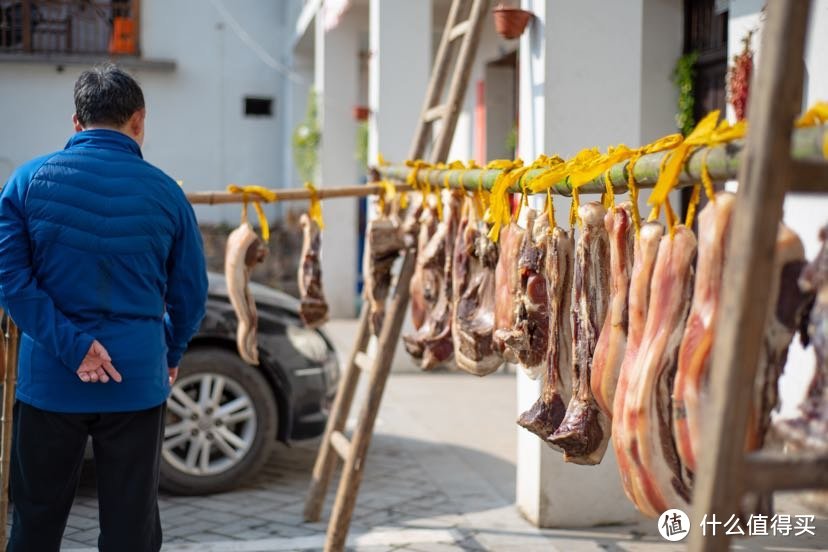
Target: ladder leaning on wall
[461,34]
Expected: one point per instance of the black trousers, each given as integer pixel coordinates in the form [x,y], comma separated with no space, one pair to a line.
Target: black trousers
[47,454]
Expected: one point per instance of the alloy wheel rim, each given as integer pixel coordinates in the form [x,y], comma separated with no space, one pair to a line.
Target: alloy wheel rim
[211,424]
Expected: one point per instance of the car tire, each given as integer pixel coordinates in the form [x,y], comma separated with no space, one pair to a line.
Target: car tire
[255,427]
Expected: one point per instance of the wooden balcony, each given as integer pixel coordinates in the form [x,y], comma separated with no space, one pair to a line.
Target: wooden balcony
[69,27]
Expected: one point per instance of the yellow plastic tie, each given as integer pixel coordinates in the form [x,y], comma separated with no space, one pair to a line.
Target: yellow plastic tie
[413,177]
[691,207]
[670,215]
[315,210]
[573,209]
[707,182]
[499,212]
[654,213]
[550,210]
[609,195]
[389,192]
[632,186]
[817,114]
[262,194]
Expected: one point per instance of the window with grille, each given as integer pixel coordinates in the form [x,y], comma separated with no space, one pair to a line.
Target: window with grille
[69,27]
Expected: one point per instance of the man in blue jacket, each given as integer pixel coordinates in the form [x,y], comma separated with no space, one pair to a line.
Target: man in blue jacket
[102,269]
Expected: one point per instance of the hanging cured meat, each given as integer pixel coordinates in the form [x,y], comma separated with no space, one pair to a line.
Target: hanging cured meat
[473,280]
[809,432]
[656,464]
[697,342]
[244,251]
[585,430]
[528,338]
[507,286]
[425,280]
[384,241]
[432,343]
[544,417]
[612,343]
[313,308]
[623,420]
[787,309]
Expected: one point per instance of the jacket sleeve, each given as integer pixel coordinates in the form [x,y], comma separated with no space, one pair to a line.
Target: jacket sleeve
[186,284]
[34,312]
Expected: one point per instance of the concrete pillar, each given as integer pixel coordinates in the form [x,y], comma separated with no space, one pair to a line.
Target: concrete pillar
[577,93]
[399,70]
[336,69]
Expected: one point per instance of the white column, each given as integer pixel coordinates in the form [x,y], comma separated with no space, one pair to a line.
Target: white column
[400,66]
[401,52]
[336,69]
[578,93]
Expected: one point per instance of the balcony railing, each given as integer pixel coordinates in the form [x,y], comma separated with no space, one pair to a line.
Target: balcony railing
[69,27]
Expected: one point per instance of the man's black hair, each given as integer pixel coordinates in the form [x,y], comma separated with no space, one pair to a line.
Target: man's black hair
[106,95]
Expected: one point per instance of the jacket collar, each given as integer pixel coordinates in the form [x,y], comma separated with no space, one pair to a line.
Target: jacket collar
[106,139]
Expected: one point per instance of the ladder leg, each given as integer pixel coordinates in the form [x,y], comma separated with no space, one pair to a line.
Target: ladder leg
[346,495]
[763,180]
[326,457]
[9,383]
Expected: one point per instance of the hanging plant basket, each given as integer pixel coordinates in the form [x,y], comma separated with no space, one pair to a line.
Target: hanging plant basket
[511,22]
[361,112]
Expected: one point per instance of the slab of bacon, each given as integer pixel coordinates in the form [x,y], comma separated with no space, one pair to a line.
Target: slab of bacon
[657,474]
[528,339]
[244,250]
[544,417]
[507,286]
[313,309]
[432,343]
[623,440]
[384,241]
[585,430]
[473,280]
[612,343]
[426,278]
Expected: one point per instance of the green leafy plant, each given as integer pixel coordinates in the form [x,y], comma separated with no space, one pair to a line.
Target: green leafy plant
[362,144]
[684,75]
[306,139]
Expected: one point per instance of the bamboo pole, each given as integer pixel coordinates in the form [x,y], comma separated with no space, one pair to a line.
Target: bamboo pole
[722,164]
[291,194]
[9,382]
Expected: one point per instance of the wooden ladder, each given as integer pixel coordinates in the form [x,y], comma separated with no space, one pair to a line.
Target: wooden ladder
[463,27]
[767,172]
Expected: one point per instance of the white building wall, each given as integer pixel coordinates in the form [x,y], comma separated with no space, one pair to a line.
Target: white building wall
[196,128]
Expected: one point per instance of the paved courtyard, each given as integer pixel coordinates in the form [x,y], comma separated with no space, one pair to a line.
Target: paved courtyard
[440,476]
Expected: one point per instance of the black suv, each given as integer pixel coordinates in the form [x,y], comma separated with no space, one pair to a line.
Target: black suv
[224,415]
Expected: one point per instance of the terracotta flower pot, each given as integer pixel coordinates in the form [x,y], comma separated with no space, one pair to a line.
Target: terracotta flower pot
[361,112]
[511,22]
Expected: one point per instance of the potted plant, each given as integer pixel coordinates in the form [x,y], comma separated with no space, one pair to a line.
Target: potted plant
[361,112]
[306,138]
[511,22]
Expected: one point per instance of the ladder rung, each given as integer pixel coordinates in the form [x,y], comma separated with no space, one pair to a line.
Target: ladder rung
[436,112]
[459,30]
[363,361]
[809,176]
[341,444]
[775,471]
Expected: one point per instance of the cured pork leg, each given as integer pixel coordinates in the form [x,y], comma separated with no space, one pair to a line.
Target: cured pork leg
[507,286]
[313,310]
[612,343]
[383,245]
[809,431]
[473,280]
[432,343]
[585,430]
[244,251]
[697,343]
[424,282]
[623,420]
[656,465]
[528,339]
[544,417]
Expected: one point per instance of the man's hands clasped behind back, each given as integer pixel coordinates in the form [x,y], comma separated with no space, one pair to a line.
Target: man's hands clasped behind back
[97,366]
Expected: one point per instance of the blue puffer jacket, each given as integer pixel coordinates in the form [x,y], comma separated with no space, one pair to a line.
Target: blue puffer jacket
[96,243]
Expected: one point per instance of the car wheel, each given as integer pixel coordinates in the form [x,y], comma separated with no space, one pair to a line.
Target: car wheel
[221,423]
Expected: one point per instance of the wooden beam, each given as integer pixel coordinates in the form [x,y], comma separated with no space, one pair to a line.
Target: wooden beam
[764,176]
[292,194]
[340,444]
[11,341]
[776,471]
[810,177]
